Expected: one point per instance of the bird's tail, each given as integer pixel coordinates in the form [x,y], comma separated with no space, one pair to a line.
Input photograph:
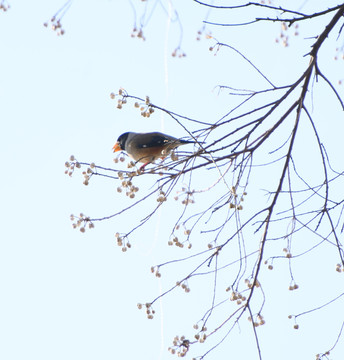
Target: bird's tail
[182,142]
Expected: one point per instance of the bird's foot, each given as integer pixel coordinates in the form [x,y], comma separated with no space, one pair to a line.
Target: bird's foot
[142,168]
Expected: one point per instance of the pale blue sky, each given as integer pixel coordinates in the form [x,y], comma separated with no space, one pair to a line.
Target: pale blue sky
[67,295]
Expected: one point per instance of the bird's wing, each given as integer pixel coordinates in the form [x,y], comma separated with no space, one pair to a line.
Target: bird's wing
[154,140]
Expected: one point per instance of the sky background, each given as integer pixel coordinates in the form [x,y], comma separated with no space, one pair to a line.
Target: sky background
[68,295]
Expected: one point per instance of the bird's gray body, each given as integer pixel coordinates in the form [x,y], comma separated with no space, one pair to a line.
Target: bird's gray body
[147,147]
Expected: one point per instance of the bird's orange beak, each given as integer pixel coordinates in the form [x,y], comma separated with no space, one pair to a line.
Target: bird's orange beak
[116,147]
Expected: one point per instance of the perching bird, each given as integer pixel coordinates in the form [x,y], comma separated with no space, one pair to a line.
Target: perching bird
[147,147]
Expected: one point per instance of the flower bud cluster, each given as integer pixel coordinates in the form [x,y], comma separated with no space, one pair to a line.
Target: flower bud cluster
[293,287]
[188,196]
[270,266]
[88,173]
[123,242]
[127,185]
[238,297]
[149,310]
[118,158]
[201,335]
[155,271]
[216,47]
[162,197]
[122,94]
[138,34]
[71,165]
[128,174]
[180,346]
[339,53]
[81,222]
[146,109]
[178,52]
[283,37]
[131,164]
[296,326]
[184,285]
[322,356]
[55,25]
[257,321]
[250,285]
[236,199]
[339,268]
[4,6]
[175,241]
[200,33]
[287,253]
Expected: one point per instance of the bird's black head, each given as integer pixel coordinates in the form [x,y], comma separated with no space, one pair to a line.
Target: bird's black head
[122,140]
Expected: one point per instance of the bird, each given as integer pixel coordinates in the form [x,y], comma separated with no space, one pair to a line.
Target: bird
[147,147]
